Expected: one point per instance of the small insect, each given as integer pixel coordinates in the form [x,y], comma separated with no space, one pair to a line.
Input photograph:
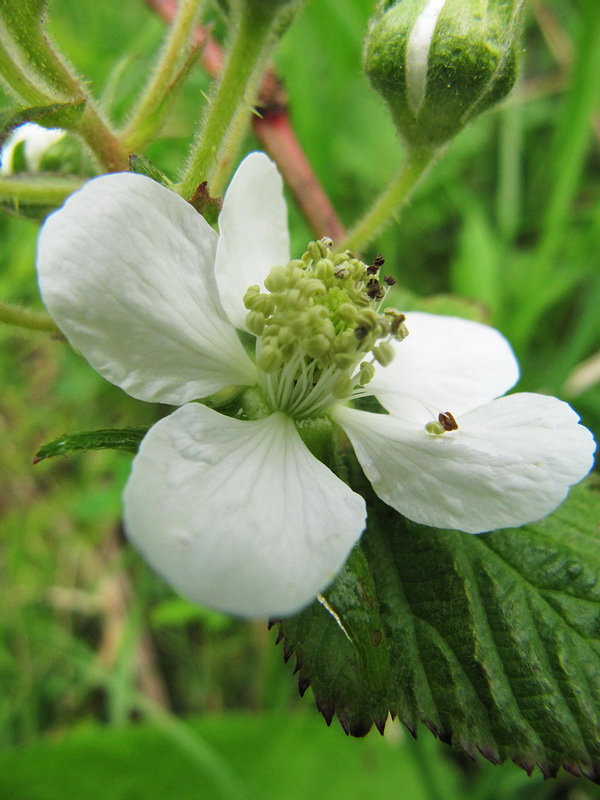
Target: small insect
[447,421]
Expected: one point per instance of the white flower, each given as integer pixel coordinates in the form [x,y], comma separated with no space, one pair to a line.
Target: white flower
[236,512]
[36,140]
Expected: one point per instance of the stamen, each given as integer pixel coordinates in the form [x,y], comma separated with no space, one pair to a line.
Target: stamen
[320,332]
[445,422]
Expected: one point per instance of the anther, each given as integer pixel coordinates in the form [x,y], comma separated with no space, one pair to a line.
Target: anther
[375,290]
[378,261]
[390,280]
[384,354]
[447,421]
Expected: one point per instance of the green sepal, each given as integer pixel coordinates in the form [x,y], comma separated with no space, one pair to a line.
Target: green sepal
[493,640]
[124,439]
[471,64]
[143,166]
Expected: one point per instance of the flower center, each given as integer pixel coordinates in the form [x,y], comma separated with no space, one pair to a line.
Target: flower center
[320,331]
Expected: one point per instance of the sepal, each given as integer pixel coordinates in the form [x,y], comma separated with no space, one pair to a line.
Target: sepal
[124,439]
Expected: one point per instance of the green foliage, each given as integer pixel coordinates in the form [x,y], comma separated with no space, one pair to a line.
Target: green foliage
[126,439]
[259,757]
[55,115]
[492,641]
[510,219]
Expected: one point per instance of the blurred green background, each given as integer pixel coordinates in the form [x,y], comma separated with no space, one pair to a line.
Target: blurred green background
[111,686]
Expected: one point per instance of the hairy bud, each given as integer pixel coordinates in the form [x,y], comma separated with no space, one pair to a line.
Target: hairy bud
[439,63]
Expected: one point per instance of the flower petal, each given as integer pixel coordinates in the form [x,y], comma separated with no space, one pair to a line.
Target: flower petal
[253,233]
[239,515]
[510,462]
[126,270]
[445,364]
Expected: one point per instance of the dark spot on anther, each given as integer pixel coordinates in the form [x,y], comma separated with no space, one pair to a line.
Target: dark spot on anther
[447,421]
[389,280]
[360,332]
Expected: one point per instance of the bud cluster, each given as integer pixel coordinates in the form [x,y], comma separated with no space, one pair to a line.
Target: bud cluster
[318,327]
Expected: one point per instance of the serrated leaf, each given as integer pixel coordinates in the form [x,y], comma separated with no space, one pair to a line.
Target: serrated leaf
[125,439]
[493,640]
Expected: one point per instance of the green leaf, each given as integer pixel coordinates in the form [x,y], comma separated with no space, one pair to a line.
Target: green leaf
[55,115]
[229,756]
[493,640]
[126,439]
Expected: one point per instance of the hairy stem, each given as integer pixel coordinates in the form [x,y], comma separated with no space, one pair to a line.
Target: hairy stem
[230,105]
[145,117]
[389,203]
[27,318]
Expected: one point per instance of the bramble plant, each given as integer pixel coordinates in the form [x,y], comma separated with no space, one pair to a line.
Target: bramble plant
[334,444]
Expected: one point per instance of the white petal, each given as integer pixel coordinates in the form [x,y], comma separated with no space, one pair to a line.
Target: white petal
[445,364]
[510,462]
[239,515]
[37,140]
[126,270]
[253,233]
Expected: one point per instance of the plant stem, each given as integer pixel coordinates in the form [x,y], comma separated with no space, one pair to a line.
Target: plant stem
[229,109]
[390,201]
[101,140]
[274,130]
[145,117]
[42,193]
[26,318]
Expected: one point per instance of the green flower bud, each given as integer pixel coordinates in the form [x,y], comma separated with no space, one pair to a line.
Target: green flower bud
[439,63]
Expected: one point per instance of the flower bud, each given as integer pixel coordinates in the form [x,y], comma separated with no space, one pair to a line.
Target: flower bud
[439,63]
[27,146]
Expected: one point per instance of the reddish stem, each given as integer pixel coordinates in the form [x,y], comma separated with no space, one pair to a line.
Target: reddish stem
[274,130]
